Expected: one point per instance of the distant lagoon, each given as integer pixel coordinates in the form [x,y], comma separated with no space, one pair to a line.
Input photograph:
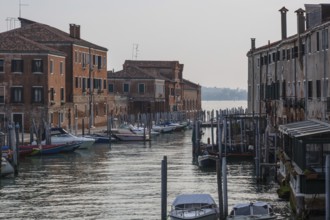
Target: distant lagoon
[216,105]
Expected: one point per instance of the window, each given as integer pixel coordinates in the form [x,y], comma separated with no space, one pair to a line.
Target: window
[258,62]
[84,60]
[325,39]
[172,91]
[104,84]
[284,89]
[126,87]
[37,95]
[317,41]
[141,88]
[288,54]
[111,88]
[37,66]
[52,94]
[84,86]
[61,67]
[2,66]
[61,117]
[51,66]
[99,62]
[283,54]
[17,94]
[310,89]
[17,66]
[318,88]
[76,57]
[76,82]
[62,94]
[2,95]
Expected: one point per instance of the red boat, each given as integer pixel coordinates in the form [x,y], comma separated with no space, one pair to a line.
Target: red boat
[31,150]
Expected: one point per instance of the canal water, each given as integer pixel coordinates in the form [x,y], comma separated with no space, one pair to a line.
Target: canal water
[123,181]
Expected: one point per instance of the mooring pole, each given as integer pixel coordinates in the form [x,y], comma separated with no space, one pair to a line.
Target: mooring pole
[327,188]
[164,189]
[219,168]
[225,193]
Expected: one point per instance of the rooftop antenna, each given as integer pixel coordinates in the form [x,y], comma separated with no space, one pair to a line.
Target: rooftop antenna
[20,8]
[135,51]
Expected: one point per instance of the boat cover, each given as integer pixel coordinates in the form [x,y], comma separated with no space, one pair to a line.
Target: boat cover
[193,198]
[258,203]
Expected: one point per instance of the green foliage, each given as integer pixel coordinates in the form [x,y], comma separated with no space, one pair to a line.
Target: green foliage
[214,93]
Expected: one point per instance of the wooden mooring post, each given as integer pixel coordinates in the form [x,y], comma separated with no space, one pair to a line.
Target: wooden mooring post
[164,189]
[327,187]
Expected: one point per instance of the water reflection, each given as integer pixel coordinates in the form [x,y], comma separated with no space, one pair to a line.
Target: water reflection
[122,182]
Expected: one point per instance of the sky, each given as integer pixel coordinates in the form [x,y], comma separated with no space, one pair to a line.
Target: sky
[209,37]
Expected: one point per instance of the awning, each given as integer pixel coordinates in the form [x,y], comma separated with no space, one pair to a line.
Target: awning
[305,128]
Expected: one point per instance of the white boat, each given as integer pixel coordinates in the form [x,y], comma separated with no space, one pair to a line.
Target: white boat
[142,130]
[61,136]
[253,210]
[6,167]
[194,206]
[126,136]
[163,128]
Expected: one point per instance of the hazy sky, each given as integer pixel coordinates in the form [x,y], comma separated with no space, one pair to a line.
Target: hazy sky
[210,37]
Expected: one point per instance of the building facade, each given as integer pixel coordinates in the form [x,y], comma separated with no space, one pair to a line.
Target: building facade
[288,83]
[30,73]
[155,86]
[83,89]
[288,79]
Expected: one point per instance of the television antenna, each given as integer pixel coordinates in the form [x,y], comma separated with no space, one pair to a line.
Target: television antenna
[135,51]
[20,7]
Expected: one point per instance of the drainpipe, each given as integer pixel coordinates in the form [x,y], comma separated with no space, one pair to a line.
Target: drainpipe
[253,47]
[324,74]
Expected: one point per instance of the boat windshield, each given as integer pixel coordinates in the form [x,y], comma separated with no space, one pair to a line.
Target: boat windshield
[193,206]
[243,211]
[260,210]
[251,210]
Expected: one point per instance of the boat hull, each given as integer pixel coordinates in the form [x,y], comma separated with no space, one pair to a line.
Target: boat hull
[6,167]
[206,161]
[32,150]
[194,215]
[130,137]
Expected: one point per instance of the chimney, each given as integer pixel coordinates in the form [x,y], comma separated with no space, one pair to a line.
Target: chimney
[72,30]
[300,21]
[78,31]
[253,44]
[283,11]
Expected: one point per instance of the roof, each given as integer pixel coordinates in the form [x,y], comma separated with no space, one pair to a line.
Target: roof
[131,72]
[46,34]
[305,128]
[193,199]
[13,43]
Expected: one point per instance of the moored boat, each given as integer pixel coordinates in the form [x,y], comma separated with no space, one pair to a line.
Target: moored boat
[100,138]
[194,207]
[61,136]
[31,150]
[6,167]
[254,210]
[206,160]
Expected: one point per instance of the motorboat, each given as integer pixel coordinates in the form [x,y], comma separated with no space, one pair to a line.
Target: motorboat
[61,136]
[206,159]
[142,130]
[31,150]
[194,207]
[101,138]
[254,210]
[6,167]
[127,135]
